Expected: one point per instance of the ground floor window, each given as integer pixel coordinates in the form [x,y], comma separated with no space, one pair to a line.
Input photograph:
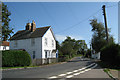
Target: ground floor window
[47,54]
[33,54]
[4,47]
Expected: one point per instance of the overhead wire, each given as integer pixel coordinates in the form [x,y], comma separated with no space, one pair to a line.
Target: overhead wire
[79,22]
[84,19]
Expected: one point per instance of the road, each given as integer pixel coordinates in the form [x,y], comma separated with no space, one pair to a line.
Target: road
[78,68]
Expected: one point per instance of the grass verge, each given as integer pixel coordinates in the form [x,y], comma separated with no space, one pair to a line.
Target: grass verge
[107,67]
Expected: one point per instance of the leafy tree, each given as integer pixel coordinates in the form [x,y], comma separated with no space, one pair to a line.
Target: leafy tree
[67,46]
[99,36]
[71,46]
[57,45]
[6,30]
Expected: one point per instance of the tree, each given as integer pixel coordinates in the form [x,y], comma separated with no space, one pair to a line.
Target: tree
[57,45]
[99,36]
[67,46]
[6,29]
[71,46]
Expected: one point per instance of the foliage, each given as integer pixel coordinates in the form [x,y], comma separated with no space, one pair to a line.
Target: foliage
[88,53]
[57,45]
[6,30]
[70,47]
[14,58]
[99,36]
[111,54]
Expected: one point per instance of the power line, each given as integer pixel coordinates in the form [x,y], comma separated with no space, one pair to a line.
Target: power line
[112,6]
[86,18]
[79,22]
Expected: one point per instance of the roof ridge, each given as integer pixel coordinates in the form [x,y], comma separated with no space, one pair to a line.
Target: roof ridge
[25,34]
[43,27]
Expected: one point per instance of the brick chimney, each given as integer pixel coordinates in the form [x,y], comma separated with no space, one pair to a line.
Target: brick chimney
[33,26]
[28,26]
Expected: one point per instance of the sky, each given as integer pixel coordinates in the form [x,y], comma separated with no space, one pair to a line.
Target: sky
[65,18]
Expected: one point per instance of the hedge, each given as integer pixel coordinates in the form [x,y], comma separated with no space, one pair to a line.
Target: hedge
[111,54]
[13,58]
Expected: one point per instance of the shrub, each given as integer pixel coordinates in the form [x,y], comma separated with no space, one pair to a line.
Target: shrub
[73,53]
[111,54]
[88,53]
[15,58]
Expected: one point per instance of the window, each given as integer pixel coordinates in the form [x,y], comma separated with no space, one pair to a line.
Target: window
[4,47]
[52,43]
[49,54]
[45,54]
[32,42]
[33,54]
[15,44]
[45,41]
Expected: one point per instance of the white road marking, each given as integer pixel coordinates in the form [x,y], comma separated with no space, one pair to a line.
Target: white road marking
[69,72]
[75,70]
[76,74]
[87,70]
[84,70]
[69,76]
[81,72]
[90,65]
[94,66]
[62,74]
[52,77]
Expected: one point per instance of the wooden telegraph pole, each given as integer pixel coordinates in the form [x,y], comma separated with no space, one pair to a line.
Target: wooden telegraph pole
[104,13]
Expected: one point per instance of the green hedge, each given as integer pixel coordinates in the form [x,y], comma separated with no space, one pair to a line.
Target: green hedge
[111,54]
[14,58]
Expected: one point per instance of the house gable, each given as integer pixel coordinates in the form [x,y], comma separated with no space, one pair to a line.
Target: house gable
[51,33]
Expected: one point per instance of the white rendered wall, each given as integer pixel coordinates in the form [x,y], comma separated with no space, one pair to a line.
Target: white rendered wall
[96,56]
[26,44]
[49,46]
[2,47]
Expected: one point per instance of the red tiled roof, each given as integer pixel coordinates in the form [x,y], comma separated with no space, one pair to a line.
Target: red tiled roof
[5,43]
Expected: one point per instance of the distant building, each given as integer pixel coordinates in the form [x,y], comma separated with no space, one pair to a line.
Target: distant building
[4,45]
[40,43]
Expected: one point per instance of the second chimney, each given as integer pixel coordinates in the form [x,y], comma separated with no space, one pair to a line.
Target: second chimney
[33,26]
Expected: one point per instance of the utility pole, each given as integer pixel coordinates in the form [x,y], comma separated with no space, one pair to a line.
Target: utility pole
[104,13]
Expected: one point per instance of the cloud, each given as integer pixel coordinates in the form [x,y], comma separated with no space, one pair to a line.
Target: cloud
[61,38]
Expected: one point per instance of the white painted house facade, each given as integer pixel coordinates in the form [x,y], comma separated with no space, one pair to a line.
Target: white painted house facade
[4,46]
[40,43]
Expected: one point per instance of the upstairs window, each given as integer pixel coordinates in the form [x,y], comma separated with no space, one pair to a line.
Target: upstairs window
[32,42]
[45,41]
[52,43]
[15,44]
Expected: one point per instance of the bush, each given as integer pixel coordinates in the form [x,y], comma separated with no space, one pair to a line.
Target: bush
[14,58]
[111,54]
[88,53]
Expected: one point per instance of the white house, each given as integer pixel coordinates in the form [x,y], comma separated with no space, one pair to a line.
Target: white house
[95,55]
[40,43]
[4,46]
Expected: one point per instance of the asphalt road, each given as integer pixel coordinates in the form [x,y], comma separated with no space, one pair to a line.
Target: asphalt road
[58,71]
